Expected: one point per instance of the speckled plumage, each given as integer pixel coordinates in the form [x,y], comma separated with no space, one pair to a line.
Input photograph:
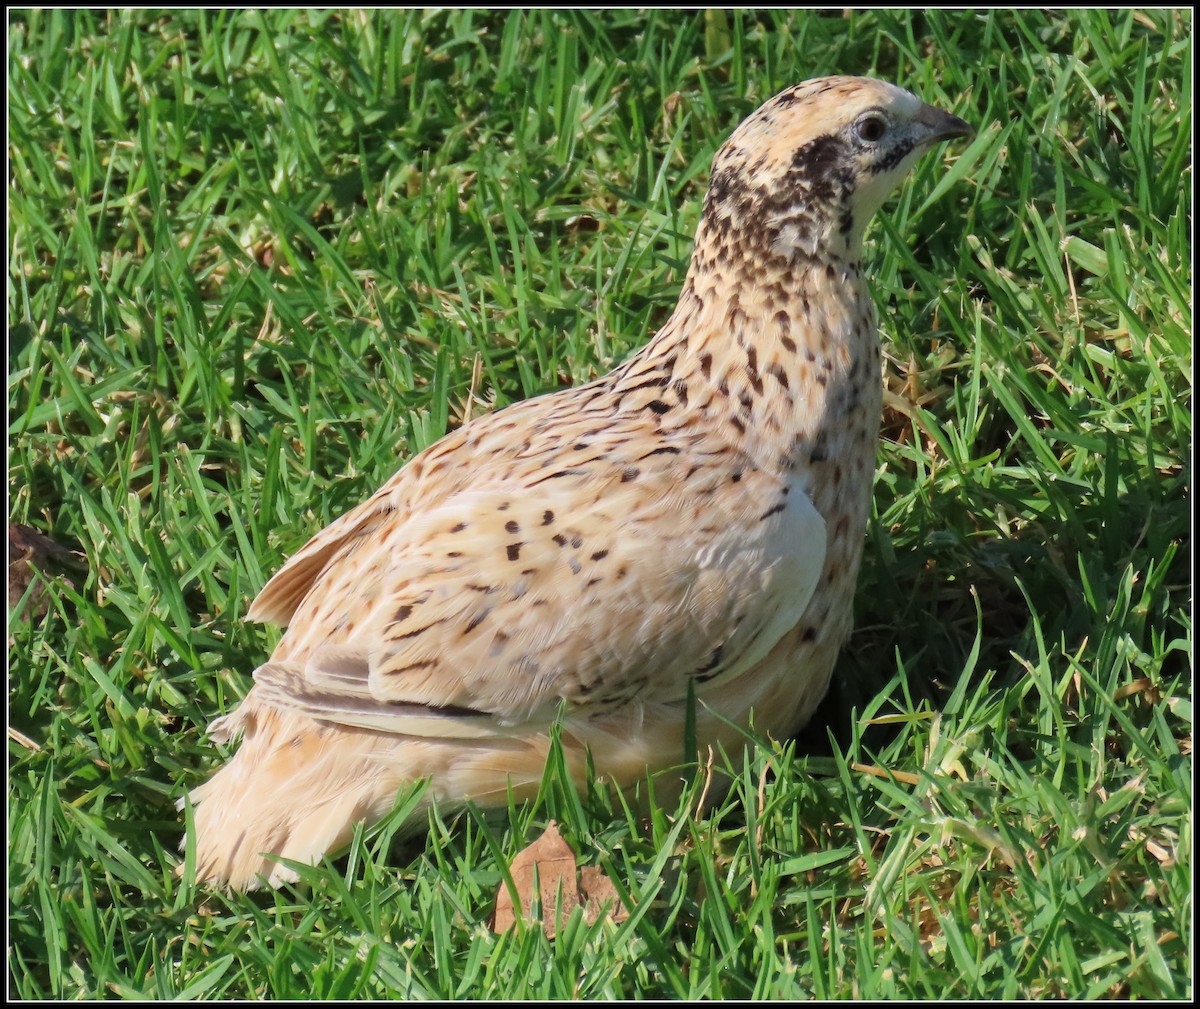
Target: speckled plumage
[692,520]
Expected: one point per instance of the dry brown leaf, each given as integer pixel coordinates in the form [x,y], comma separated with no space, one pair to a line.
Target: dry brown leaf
[599,896]
[1144,685]
[30,551]
[1159,852]
[904,777]
[539,869]
[542,870]
[17,736]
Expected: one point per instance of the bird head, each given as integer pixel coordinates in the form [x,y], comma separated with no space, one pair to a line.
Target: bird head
[804,174]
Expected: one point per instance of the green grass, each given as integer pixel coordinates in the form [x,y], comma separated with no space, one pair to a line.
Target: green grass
[259,260]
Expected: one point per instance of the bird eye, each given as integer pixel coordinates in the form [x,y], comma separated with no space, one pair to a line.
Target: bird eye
[871,127]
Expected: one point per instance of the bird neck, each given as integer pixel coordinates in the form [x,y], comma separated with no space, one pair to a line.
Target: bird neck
[780,352]
[820,219]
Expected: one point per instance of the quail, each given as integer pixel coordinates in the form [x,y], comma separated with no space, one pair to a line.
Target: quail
[683,531]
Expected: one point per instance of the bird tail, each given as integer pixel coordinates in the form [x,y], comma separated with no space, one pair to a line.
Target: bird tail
[297,786]
[294,790]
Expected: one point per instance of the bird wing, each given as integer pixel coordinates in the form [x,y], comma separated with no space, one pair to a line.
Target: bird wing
[279,598]
[431,476]
[495,606]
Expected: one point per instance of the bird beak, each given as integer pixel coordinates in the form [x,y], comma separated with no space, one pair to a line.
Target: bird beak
[941,125]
